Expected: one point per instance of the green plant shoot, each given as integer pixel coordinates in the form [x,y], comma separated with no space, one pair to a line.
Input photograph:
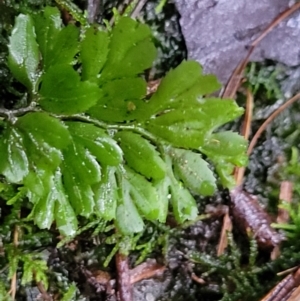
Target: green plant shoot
[89,143]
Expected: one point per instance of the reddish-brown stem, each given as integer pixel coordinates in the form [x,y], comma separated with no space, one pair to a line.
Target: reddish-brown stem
[124,285]
[269,119]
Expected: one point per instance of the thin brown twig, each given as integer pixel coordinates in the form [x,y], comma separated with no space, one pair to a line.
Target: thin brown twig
[286,191]
[287,271]
[13,283]
[235,79]
[197,279]
[248,115]
[275,22]
[268,120]
[240,171]
[138,8]
[93,9]
[286,194]
[135,12]
[226,227]
[146,270]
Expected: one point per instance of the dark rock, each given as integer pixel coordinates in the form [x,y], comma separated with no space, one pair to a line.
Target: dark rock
[217,32]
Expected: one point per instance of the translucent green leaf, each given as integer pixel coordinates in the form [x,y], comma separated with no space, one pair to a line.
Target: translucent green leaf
[65,47]
[141,155]
[163,195]
[190,126]
[47,27]
[3,152]
[144,195]
[62,92]
[136,61]
[65,216]
[184,205]
[119,100]
[226,150]
[14,165]
[225,172]
[227,145]
[45,128]
[42,155]
[81,196]
[80,171]
[128,219]
[131,50]
[87,168]
[94,50]
[224,110]
[186,128]
[38,182]
[102,146]
[181,87]
[23,56]
[193,171]
[52,204]
[43,211]
[59,46]
[106,194]
[45,137]
[129,32]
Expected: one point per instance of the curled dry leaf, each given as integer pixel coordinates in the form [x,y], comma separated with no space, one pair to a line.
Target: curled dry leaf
[146,270]
[286,193]
[248,214]
[295,295]
[283,290]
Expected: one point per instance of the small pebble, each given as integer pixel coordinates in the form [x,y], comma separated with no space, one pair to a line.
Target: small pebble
[149,297]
